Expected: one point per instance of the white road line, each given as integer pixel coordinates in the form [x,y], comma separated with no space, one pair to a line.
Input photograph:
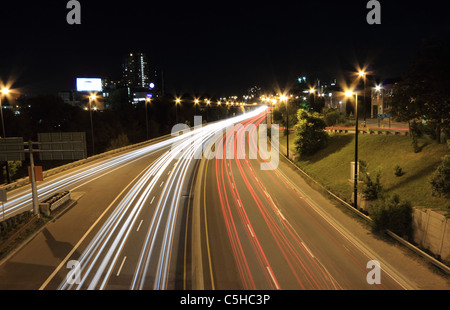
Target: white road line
[161,184]
[121,265]
[152,200]
[169,172]
[310,253]
[281,214]
[273,278]
[87,232]
[248,226]
[139,225]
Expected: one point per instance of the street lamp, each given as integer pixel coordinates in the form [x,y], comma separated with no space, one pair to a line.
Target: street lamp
[363,74]
[92,98]
[285,99]
[177,102]
[147,101]
[4,91]
[349,93]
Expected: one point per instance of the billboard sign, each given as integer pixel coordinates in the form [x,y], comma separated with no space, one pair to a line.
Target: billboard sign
[12,149]
[62,145]
[89,84]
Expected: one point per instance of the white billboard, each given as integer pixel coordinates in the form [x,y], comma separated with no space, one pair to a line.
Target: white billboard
[89,84]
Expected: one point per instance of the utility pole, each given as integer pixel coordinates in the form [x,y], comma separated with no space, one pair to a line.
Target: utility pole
[33,182]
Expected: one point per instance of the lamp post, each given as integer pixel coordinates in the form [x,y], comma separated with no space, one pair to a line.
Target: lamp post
[196,101]
[285,99]
[177,102]
[379,110]
[355,177]
[147,101]
[363,75]
[4,91]
[91,98]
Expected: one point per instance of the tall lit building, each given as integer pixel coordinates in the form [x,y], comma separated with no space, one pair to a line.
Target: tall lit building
[136,71]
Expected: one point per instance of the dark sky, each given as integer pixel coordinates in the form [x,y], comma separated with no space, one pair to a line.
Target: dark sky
[220,47]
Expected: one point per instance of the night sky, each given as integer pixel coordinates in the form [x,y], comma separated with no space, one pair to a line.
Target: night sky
[219,47]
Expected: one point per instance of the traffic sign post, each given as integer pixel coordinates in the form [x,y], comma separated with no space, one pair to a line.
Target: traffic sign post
[3,199]
[33,182]
[51,146]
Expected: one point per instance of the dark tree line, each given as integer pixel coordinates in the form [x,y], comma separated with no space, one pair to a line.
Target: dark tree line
[423,95]
[122,123]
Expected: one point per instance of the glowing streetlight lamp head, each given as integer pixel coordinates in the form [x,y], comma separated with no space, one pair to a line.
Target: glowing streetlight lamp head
[178,100]
[283,98]
[361,73]
[93,97]
[349,93]
[5,91]
[378,88]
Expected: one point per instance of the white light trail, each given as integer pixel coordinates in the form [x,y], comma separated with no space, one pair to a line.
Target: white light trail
[102,254]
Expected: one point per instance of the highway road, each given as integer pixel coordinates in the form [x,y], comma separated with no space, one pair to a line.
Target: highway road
[140,244]
[261,231]
[132,228]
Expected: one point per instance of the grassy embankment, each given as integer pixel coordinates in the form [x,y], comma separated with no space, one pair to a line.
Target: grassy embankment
[331,166]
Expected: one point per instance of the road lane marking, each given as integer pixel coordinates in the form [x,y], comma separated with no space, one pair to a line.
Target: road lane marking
[161,184]
[152,200]
[281,214]
[273,278]
[208,250]
[249,228]
[139,225]
[310,253]
[169,172]
[121,265]
[63,262]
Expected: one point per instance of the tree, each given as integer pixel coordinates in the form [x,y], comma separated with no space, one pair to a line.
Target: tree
[424,92]
[371,189]
[310,131]
[440,180]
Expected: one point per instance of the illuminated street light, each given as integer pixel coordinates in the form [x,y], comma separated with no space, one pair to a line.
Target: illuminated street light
[147,101]
[177,102]
[285,99]
[355,181]
[363,74]
[4,91]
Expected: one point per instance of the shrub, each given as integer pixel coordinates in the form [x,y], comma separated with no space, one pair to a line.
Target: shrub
[391,213]
[440,180]
[398,171]
[331,116]
[370,189]
[310,131]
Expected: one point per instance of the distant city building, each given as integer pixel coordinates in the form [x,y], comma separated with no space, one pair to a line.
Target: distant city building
[136,71]
[381,97]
